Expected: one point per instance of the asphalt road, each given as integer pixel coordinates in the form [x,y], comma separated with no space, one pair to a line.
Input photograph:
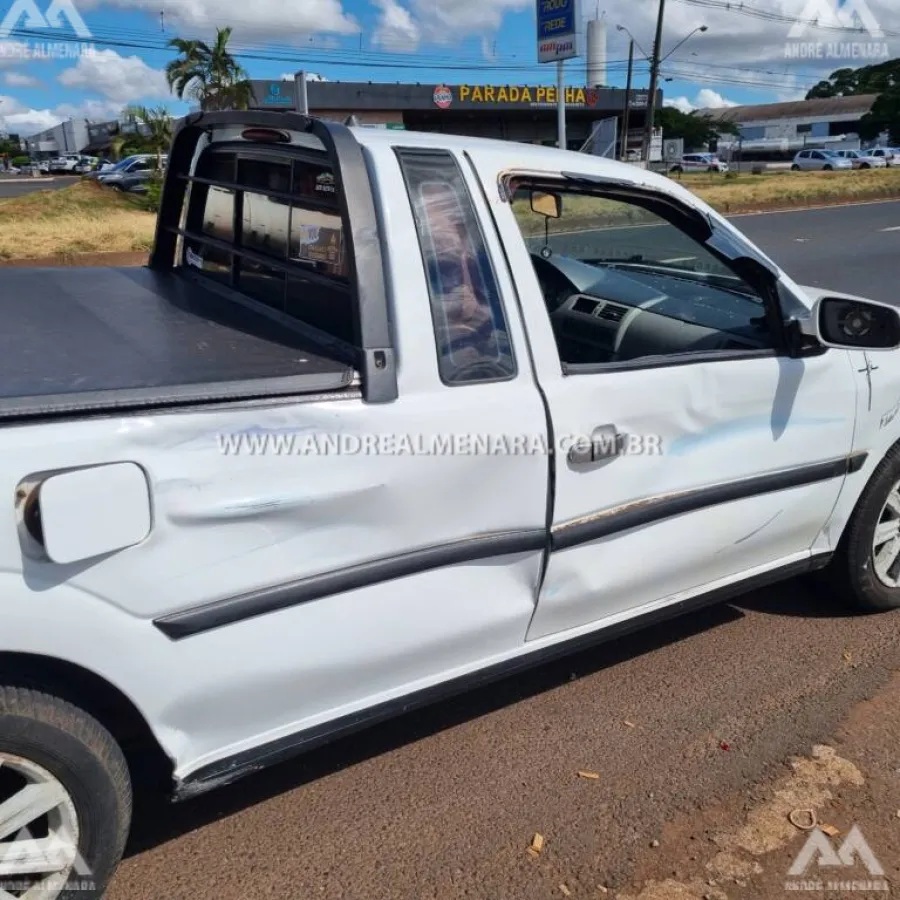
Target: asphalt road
[852,249]
[18,185]
[683,723]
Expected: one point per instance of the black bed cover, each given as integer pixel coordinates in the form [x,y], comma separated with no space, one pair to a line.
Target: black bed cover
[94,339]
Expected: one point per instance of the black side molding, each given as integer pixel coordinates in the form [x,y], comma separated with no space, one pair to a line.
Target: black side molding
[228,770]
[246,606]
[645,512]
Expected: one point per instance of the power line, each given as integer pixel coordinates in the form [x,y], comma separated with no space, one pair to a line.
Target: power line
[766,15]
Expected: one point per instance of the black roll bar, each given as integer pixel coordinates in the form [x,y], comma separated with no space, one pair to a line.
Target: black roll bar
[377,365]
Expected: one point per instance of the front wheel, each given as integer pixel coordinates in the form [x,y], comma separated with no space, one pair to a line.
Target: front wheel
[826,168]
[65,799]
[795,168]
[867,564]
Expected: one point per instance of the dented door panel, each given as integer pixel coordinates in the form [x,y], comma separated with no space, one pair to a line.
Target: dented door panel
[719,431]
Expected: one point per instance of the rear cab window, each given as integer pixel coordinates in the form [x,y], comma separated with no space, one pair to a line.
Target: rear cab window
[268,224]
[470,325]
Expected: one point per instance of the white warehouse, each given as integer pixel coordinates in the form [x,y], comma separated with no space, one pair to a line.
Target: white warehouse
[781,129]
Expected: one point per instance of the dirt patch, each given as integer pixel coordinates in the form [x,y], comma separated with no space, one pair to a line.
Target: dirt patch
[751,846]
[81,260]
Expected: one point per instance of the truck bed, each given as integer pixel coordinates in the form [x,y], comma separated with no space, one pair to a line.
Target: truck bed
[94,339]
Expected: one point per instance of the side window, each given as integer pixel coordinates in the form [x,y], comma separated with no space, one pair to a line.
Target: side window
[470,325]
[622,284]
[282,224]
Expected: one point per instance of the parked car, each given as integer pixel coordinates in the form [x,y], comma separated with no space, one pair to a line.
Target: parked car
[700,162]
[820,160]
[237,528]
[64,163]
[85,165]
[131,171]
[886,153]
[861,160]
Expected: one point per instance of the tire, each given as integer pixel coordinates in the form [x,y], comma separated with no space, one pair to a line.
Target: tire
[826,168]
[795,168]
[677,170]
[865,166]
[853,566]
[44,740]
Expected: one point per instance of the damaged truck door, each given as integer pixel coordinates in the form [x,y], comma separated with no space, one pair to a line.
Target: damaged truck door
[716,453]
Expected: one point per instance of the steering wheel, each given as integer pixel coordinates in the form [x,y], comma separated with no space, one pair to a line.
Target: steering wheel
[480,370]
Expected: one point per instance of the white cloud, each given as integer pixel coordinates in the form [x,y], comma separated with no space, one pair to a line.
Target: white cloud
[705,99]
[680,103]
[396,29]
[443,21]
[709,99]
[121,79]
[24,121]
[286,20]
[19,79]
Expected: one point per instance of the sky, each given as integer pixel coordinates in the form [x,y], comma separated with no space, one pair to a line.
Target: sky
[747,55]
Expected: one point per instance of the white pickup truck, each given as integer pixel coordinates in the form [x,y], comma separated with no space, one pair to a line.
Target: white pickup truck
[387,415]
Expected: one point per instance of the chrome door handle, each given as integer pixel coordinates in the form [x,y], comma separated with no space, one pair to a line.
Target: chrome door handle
[605,442]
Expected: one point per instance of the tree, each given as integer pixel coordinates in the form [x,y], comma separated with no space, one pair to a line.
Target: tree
[885,116]
[696,130]
[209,74]
[159,128]
[873,79]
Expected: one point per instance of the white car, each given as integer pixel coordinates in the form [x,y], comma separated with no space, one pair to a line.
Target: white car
[821,161]
[887,154]
[238,527]
[861,160]
[65,163]
[699,162]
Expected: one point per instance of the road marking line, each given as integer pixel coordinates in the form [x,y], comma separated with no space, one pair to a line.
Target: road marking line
[896,228]
[799,209]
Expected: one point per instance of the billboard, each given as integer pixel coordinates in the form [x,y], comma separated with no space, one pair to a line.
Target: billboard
[557,30]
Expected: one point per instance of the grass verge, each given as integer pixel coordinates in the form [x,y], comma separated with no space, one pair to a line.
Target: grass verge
[82,218]
[789,190]
[87,218]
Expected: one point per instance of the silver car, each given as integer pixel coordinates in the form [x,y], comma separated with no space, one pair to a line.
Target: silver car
[862,160]
[889,155]
[819,161]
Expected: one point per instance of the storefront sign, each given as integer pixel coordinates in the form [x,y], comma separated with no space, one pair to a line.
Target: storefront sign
[523,95]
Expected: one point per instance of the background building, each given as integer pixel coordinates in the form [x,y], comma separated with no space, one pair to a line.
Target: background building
[67,137]
[518,112]
[779,130]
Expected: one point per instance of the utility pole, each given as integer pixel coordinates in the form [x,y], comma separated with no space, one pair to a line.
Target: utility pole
[627,116]
[561,104]
[654,79]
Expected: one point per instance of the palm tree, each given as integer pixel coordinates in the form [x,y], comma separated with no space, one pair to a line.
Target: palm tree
[159,128]
[209,74]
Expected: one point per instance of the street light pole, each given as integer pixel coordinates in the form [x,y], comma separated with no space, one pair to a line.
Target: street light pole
[654,78]
[561,105]
[625,122]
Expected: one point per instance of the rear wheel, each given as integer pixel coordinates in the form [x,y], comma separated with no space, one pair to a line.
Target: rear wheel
[65,799]
[867,564]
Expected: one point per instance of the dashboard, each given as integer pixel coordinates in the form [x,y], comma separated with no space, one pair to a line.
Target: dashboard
[614,312]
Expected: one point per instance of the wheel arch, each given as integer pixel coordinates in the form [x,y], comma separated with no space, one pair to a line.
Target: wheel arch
[105,702]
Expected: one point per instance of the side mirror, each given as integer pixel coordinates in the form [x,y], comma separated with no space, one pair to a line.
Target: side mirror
[544,204]
[850,324]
